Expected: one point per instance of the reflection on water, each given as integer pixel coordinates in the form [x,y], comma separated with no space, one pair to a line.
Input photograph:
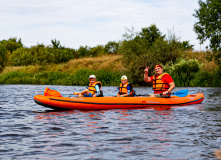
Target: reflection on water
[112,128]
[30,131]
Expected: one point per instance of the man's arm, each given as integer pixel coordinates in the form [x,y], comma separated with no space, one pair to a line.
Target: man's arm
[172,86]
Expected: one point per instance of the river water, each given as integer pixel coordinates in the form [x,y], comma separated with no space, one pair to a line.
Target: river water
[30,131]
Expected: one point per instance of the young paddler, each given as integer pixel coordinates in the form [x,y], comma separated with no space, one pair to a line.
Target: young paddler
[126,88]
[93,90]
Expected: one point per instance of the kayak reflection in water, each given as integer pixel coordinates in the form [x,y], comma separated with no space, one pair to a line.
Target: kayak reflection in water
[93,90]
[162,82]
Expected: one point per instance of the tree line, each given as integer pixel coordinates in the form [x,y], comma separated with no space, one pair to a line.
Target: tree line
[13,52]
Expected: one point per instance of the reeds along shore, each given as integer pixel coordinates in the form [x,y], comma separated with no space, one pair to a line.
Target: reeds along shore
[79,78]
[108,70]
[193,70]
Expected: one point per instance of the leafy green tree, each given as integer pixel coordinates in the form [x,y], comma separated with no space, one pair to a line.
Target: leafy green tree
[21,56]
[151,33]
[3,55]
[111,47]
[208,26]
[7,47]
[83,51]
[11,44]
[96,51]
[62,55]
[186,45]
[55,43]
[140,50]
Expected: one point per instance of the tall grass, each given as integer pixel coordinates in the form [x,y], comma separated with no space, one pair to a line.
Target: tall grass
[108,78]
[107,62]
[191,70]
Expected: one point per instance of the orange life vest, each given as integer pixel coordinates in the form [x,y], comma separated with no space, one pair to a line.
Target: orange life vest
[123,88]
[91,87]
[158,84]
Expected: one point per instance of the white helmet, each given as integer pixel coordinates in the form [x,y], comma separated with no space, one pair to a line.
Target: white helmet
[92,76]
[124,78]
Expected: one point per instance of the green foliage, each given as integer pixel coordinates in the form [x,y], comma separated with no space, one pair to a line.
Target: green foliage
[183,71]
[135,59]
[186,45]
[163,51]
[11,44]
[151,34]
[97,51]
[3,56]
[21,57]
[13,52]
[111,48]
[83,51]
[208,79]
[55,43]
[148,48]
[58,78]
[208,26]
[41,55]
[6,48]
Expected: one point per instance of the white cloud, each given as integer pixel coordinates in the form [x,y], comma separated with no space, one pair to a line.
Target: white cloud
[92,22]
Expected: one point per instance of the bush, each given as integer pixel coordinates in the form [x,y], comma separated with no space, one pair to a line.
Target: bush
[3,57]
[183,71]
[40,55]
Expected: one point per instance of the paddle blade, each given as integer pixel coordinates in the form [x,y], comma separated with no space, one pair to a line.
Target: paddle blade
[181,93]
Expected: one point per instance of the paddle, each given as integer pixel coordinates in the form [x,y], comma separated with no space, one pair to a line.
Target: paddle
[181,93]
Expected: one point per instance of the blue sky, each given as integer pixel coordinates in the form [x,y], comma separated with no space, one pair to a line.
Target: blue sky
[93,22]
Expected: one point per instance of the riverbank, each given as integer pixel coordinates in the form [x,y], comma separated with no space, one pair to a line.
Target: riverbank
[191,71]
[108,70]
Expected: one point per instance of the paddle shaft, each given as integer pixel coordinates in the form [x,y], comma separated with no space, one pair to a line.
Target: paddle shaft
[181,93]
[151,94]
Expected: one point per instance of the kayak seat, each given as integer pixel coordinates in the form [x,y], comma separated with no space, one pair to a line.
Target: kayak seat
[101,94]
[133,94]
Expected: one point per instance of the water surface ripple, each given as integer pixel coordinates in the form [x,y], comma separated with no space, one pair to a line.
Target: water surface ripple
[30,131]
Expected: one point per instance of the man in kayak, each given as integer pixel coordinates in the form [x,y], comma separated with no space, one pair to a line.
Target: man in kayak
[126,88]
[162,82]
[94,88]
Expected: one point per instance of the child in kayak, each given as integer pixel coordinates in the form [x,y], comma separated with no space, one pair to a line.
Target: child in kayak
[93,90]
[126,88]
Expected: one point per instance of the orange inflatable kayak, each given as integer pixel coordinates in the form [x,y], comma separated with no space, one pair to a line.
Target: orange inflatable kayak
[97,103]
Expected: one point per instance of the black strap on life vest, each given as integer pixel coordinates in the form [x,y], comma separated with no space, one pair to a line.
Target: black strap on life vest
[163,84]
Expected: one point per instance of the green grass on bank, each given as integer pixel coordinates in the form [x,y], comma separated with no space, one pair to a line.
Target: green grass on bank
[78,78]
[108,70]
[108,62]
